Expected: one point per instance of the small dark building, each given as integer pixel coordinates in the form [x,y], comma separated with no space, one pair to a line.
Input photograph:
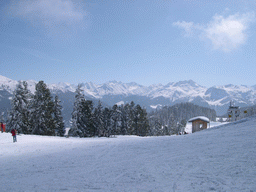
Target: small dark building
[199,123]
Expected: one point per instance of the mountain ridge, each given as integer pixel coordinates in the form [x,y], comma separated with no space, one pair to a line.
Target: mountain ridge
[115,92]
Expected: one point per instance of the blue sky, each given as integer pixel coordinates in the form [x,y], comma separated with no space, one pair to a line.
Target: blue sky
[147,42]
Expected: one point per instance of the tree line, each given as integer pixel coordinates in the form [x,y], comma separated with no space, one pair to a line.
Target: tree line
[41,114]
[87,121]
[172,119]
[37,113]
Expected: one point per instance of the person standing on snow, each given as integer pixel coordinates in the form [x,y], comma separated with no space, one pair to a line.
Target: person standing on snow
[13,131]
[2,127]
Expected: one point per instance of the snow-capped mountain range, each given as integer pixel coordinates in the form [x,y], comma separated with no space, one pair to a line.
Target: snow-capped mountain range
[113,92]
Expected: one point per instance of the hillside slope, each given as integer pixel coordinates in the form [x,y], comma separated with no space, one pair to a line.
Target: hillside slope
[217,159]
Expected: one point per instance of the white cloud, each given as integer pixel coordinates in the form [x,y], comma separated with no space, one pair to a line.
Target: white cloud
[187,26]
[224,33]
[51,13]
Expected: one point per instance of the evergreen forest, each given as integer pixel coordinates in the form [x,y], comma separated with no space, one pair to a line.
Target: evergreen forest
[41,114]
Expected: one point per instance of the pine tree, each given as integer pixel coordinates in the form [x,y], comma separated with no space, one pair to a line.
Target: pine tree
[98,120]
[107,131]
[42,111]
[115,119]
[131,123]
[18,117]
[58,119]
[155,128]
[78,125]
[140,121]
[124,119]
[88,118]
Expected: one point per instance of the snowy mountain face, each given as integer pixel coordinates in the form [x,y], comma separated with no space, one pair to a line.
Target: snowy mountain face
[7,84]
[150,97]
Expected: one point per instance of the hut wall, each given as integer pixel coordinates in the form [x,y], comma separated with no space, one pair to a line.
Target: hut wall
[198,125]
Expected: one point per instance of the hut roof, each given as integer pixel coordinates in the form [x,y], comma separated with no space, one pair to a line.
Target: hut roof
[199,118]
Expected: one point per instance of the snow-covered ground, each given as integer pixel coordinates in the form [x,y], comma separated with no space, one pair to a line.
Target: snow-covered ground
[222,158]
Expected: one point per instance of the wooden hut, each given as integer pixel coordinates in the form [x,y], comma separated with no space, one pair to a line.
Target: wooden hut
[199,123]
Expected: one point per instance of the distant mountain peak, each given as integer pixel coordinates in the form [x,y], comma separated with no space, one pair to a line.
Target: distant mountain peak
[3,78]
[114,81]
[186,82]
[217,97]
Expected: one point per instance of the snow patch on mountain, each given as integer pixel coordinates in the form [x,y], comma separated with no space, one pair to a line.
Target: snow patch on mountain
[155,106]
[7,84]
[120,103]
[178,90]
[64,87]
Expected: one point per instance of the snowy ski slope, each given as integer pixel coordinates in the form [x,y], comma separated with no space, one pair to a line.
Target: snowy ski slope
[217,159]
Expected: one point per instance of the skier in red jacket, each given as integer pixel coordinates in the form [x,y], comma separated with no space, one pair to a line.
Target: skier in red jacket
[2,127]
[13,131]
